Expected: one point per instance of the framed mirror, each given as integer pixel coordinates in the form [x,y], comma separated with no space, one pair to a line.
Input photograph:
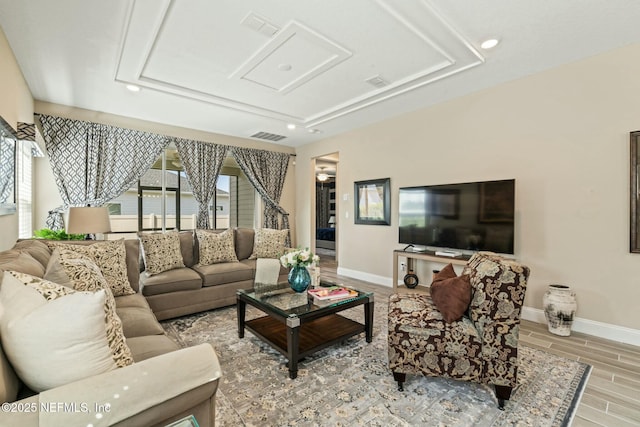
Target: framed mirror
[635,192]
[7,169]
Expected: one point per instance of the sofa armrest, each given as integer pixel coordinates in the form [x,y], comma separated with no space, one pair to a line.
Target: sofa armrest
[109,398]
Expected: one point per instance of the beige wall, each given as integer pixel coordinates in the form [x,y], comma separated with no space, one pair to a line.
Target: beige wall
[562,134]
[16,105]
[46,192]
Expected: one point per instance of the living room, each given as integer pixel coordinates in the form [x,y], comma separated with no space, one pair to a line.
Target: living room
[562,132]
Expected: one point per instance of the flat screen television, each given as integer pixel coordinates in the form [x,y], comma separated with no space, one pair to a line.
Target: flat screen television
[463,217]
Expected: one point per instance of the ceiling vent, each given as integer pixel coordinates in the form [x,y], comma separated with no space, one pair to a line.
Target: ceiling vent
[377,81]
[268,136]
[259,24]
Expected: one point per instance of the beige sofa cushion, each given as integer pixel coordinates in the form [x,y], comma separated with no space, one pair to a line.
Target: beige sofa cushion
[53,334]
[136,300]
[148,346]
[36,248]
[244,242]
[22,261]
[180,279]
[138,321]
[227,272]
[161,252]
[187,248]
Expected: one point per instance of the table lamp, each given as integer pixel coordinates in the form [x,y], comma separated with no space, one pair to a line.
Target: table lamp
[88,220]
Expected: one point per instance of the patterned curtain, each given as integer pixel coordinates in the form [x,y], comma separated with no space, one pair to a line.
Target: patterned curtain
[266,170]
[202,162]
[94,163]
[322,206]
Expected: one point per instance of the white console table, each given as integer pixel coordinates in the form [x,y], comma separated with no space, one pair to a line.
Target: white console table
[425,256]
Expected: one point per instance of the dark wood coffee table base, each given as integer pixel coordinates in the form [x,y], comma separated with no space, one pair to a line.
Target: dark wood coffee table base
[296,340]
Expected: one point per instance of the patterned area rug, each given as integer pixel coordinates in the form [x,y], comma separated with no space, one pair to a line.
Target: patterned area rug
[350,384]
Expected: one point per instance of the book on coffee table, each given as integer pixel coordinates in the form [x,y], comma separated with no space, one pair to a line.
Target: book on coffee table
[332,293]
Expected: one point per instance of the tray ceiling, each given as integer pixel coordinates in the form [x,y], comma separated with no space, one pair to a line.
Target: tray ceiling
[251,67]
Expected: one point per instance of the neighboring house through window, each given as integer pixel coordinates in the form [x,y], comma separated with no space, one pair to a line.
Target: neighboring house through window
[141,207]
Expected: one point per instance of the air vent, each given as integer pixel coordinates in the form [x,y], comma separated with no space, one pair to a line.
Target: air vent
[259,24]
[268,136]
[377,81]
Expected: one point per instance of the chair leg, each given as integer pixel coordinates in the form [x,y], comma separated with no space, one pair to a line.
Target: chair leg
[503,393]
[400,378]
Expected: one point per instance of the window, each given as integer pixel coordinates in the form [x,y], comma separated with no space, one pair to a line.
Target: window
[147,207]
[25,194]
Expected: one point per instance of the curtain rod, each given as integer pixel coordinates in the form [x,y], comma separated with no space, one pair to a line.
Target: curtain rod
[38,115]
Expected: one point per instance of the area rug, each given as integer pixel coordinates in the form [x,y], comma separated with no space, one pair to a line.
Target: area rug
[350,384]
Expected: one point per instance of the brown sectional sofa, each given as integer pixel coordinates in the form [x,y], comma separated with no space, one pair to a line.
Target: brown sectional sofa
[170,383]
[197,287]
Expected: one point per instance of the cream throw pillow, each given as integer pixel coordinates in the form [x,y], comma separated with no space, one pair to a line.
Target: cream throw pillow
[216,247]
[111,258]
[268,243]
[52,334]
[78,271]
[161,251]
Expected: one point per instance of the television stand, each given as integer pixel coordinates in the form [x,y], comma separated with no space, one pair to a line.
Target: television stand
[428,255]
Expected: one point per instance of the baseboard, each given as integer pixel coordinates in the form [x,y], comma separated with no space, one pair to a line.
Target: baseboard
[586,326]
[367,277]
[590,327]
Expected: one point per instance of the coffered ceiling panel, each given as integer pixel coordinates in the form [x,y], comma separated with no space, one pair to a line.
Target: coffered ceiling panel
[278,65]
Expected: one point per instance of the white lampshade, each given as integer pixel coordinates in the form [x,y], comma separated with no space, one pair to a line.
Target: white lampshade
[88,220]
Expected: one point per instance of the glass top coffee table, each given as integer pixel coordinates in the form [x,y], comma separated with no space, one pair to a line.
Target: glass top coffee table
[296,327]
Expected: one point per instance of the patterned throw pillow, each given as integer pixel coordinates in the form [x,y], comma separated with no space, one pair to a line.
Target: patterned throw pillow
[161,251]
[52,334]
[111,258]
[78,271]
[268,243]
[216,247]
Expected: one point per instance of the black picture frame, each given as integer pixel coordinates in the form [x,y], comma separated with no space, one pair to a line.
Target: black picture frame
[634,193]
[372,201]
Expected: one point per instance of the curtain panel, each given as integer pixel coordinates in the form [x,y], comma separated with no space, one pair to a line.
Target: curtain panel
[202,163]
[266,170]
[94,163]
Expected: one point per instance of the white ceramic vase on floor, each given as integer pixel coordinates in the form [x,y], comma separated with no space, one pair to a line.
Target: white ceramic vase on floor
[559,303]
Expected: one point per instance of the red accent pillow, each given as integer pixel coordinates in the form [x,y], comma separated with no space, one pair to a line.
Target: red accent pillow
[451,294]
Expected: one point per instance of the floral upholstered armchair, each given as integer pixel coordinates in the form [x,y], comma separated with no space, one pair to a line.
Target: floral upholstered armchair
[482,346]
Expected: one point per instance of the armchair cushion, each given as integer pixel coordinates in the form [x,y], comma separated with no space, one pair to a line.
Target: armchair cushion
[421,342]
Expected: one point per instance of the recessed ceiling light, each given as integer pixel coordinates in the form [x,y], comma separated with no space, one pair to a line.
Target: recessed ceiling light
[133,88]
[489,43]
[291,126]
[313,130]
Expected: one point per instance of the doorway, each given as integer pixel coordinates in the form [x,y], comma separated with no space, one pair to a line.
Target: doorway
[326,216]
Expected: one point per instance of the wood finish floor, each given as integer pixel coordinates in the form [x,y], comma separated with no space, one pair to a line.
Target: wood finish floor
[612,395]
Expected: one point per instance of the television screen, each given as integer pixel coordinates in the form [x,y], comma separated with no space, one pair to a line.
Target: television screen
[467,217]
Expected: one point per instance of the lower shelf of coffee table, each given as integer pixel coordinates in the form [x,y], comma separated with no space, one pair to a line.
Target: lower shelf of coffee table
[313,336]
